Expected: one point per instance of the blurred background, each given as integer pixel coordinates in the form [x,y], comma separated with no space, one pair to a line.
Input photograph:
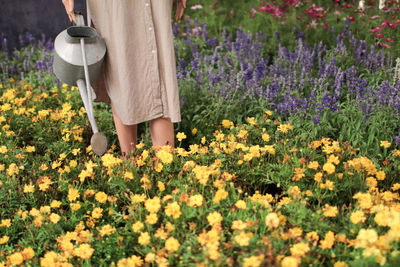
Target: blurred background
[35,17]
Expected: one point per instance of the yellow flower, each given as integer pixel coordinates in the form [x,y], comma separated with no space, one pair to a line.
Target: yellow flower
[294,192]
[221,194]
[357,217]
[238,225]
[265,137]
[30,149]
[16,258]
[28,253]
[144,238]
[194,131]
[172,244]
[240,204]
[395,187]
[364,200]
[340,264]
[153,205]
[101,197]
[55,204]
[29,188]
[97,213]
[313,165]
[330,211]
[84,251]
[4,239]
[180,136]
[227,124]
[137,226]
[385,144]
[173,209]
[196,200]
[290,261]
[365,238]
[161,186]
[284,128]
[165,156]
[329,168]
[253,261]
[151,218]
[251,120]
[214,218]
[243,239]
[150,257]
[6,223]
[272,220]
[106,230]
[380,175]
[299,249]
[329,240]
[54,218]
[75,206]
[73,194]
[333,159]
[3,149]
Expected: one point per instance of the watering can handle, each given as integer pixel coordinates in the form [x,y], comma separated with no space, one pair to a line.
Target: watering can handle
[80,21]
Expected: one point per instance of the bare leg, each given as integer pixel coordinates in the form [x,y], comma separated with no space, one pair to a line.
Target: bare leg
[162,132]
[127,135]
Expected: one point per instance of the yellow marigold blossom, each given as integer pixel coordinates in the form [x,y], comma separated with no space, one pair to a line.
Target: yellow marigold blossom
[30,149]
[137,226]
[251,120]
[194,131]
[172,244]
[385,144]
[73,194]
[380,175]
[160,233]
[75,206]
[340,264]
[298,174]
[165,156]
[3,149]
[97,213]
[376,253]
[329,168]
[265,137]
[272,220]
[54,218]
[383,217]
[12,169]
[365,238]
[333,159]
[151,218]
[84,251]
[264,200]
[150,257]
[227,124]
[312,236]
[253,261]
[299,249]
[294,192]
[240,204]
[101,197]
[330,185]
[16,258]
[153,205]
[330,211]
[364,200]
[4,239]
[371,182]
[180,136]
[357,217]
[243,239]
[144,238]
[161,186]
[328,241]
[6,223]
[238,225]
[221,194]
[106,230]
[109,160]
[196,200]
[290,261]
[55,204]
[395,187]
[28,253]
[173,209]
[318,177]
[313,165]
[284,128]
[214,218]
[29,188]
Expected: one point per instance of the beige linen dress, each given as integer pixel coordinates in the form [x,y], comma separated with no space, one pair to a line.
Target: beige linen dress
[139,70]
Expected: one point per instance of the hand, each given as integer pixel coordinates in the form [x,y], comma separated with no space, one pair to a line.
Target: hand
[179,9]
[69,7]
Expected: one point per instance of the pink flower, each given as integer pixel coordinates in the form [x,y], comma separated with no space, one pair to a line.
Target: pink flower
[196,7]
[252,13]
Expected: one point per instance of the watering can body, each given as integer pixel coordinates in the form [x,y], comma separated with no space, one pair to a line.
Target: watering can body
[68,63]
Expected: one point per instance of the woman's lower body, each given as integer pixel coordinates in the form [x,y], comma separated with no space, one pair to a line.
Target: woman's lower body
[139,69]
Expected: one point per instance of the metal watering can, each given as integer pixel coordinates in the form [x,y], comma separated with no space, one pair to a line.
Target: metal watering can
[78,54]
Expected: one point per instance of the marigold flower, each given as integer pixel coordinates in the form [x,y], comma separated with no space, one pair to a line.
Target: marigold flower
[272,220]
[238,225]
[385,144]
[329,168]
[180,136]
[299,249]
[73,194]
[153,205]
[54,218]
[243,239]
[165,156]
[172,244]
[340,264]
[4,239]
[290,261]
[227,124]
[365,238]
[151,218]
[144,238]
[221,194]
[84,251]
[97,213]
[253,261]
[214,218]
[106,230]
[357,217]
[16,258]
[28,253]
[328,241]
[101,197]
[240,204]
[137,226]
[173,209]
[196,200]
[330,211]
